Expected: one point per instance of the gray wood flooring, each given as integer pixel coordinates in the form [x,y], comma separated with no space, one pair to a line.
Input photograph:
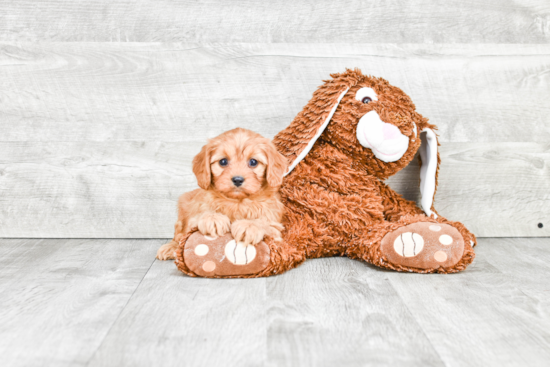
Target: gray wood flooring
[109,303]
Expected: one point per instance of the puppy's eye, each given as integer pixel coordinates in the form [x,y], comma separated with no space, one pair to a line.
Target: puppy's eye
[252,162]
[366,100]
[223,162]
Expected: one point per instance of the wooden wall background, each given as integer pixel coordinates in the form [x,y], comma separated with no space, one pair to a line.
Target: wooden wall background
[103,104]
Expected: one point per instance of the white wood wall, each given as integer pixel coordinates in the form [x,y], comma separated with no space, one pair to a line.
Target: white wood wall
[103,104]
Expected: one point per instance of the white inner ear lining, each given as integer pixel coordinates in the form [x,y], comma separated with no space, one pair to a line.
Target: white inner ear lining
[428,170]
[317,135]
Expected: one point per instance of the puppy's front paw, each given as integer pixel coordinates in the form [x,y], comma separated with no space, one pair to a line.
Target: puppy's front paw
[248,231]
[167,251]
[274,231]
[213,224]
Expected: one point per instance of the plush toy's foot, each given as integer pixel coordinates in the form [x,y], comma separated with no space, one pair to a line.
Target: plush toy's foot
[423,245]
[223,257]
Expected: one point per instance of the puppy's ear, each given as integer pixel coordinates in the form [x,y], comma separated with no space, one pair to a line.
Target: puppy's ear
[201,167]
[277,165]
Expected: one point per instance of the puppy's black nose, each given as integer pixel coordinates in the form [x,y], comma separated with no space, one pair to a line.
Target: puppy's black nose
[237,180]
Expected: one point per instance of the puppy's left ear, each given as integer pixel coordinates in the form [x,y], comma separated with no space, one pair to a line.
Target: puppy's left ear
[277,165]
[201,167]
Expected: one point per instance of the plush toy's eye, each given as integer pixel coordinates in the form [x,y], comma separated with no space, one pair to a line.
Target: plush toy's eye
[223,162]
[252,162]
[366,95]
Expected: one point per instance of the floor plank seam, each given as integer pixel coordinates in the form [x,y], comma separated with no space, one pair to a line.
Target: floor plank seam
[120,313]
[418,323]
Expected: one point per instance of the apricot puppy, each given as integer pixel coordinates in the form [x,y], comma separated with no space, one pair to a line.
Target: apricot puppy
[239,174]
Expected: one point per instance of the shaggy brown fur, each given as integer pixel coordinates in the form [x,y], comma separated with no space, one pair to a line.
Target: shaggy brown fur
[249,211]
[337,202]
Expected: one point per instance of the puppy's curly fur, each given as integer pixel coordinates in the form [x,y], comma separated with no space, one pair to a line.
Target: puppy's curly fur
[239,174]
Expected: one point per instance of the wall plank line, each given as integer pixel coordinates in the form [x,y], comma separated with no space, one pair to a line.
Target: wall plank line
[129,189]
[140,92]
[314,21]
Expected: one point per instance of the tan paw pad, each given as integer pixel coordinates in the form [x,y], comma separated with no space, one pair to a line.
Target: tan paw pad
[209,266]
[423,245]
[239,253]
[445,239]
[408,244]
[440,256]
[201,250]
[223,256]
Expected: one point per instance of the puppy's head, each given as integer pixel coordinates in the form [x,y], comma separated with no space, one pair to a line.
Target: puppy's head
[239,163]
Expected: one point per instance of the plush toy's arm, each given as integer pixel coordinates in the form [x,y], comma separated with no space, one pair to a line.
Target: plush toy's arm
[395,206]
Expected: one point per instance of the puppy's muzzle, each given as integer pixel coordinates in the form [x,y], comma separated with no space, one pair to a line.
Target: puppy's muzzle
[237,180]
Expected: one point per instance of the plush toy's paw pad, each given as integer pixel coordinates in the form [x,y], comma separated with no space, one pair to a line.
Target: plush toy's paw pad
[424,245]
[223,256]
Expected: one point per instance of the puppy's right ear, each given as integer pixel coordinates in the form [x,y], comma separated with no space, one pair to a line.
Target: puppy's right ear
[277,165]
[201,167]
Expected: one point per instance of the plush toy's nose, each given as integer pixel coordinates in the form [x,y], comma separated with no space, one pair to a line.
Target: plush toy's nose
[385,140]
[390,131]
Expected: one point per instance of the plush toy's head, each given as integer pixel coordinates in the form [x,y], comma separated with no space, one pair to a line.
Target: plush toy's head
[370,120]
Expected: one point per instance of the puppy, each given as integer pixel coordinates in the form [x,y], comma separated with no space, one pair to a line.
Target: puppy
[239,174]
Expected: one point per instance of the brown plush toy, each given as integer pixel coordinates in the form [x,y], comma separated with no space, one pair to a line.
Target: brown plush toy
[353,134]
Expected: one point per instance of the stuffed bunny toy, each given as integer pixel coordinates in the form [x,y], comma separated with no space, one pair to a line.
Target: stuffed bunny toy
[353,134]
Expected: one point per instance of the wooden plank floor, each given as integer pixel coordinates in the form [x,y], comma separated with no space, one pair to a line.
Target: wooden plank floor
[109,303]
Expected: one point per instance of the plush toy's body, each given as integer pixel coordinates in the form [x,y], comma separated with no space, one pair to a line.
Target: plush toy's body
[354,133]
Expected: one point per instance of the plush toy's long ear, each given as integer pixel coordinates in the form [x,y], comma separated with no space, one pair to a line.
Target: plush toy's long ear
[298,138]
[429,169]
